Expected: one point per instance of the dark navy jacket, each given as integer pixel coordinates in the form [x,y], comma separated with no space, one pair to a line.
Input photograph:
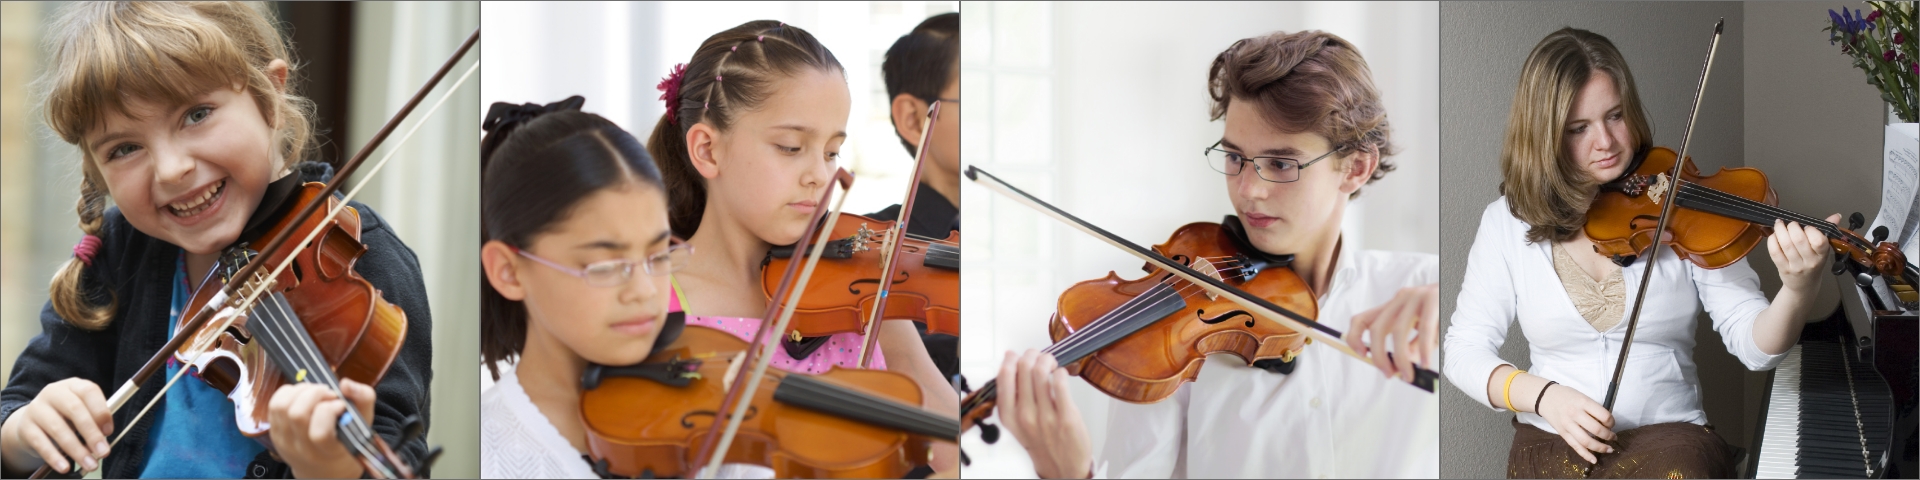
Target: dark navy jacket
[138,271]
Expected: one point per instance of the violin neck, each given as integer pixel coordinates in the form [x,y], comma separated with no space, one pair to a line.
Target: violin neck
[810,393]
[1694,196]
[1137,313]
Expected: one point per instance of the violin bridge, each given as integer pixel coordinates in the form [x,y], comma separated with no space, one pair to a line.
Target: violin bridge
[1207,268]
[1658,189]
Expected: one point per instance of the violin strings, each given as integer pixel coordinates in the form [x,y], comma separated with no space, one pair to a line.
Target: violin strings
[1105,324]
[1733,202]
[300,353]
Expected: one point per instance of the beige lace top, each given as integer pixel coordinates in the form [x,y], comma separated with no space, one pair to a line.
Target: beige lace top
[1603,302]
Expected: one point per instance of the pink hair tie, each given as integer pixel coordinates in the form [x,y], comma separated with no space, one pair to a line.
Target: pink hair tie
[763,38]
[84,250]
[670,87]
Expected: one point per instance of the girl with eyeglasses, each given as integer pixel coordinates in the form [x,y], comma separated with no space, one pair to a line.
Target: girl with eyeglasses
[576,255]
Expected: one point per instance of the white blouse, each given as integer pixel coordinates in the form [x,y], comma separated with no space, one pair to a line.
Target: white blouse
[1509,279]
[516,441]
[1333,417]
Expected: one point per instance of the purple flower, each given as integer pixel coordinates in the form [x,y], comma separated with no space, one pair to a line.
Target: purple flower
[1899,37]
[1873,16]
[1887,56]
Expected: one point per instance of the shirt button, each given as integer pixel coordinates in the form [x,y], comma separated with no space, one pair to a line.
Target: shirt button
[1315,403]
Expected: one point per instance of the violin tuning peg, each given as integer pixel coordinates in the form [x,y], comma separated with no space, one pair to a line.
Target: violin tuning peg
[1879,234]
[1855,220]
[1863,279]
[964,459]
[989,433]
[426,463]
[411,428]
[1840,263]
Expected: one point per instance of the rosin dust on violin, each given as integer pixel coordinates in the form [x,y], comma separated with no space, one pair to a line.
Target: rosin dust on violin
[722,239]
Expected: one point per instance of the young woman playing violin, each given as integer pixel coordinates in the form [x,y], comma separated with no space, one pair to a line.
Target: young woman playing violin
[748,143]
[186,119]
[1305,130]
[1577,123]
[576,256]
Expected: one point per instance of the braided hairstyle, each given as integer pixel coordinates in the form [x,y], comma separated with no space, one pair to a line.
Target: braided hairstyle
[1310,81]
[105,54]
[733,71]
[538,162]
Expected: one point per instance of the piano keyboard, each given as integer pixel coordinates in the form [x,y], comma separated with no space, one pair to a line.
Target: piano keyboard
[1827,416]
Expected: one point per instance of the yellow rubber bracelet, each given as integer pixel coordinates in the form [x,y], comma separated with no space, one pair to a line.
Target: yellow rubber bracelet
[1508,390]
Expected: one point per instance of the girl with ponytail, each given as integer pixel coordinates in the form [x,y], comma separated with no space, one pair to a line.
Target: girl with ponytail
[576,252]
[751,135]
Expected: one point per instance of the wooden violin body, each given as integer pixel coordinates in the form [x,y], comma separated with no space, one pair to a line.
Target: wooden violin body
[649,420]
[356,330]
[1718,220]
[1150,364]
[1621,220]
[845,285]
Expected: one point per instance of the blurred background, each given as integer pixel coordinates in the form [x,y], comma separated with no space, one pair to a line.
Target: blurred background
[1102,110]
[616,53]
[359,62]
[1780,98]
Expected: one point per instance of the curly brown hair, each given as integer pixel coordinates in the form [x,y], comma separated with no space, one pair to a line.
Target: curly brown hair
[1310,81]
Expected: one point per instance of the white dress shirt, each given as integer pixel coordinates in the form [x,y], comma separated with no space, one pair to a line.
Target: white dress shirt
[1334,416]
[1509,279]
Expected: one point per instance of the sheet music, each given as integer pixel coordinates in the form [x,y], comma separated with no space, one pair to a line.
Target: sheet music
[1899,206]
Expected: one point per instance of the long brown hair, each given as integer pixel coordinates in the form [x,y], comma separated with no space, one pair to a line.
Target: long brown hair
[1544,187]
[1310,81]
[733,71]
[105,53]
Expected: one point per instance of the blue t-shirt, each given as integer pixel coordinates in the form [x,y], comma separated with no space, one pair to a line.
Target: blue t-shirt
[203,441]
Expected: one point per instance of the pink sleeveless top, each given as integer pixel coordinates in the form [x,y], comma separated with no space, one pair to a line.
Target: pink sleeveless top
[842,349]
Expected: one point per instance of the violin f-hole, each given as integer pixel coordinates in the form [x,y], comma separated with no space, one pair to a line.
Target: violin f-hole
[1202,315]
[686,421]
[854,288]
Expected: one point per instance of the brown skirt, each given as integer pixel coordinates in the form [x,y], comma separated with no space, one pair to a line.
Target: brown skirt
[1667,450]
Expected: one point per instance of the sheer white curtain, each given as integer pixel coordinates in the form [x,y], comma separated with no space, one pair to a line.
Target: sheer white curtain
[1102,110]
[429,192]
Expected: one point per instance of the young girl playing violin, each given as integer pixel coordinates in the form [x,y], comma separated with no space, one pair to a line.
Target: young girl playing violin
[184,115]
[749,140]
[1577,122]
[1305,130]
[576,255]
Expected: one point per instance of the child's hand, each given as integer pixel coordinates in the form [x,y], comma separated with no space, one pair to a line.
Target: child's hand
[303,417]
[68,419]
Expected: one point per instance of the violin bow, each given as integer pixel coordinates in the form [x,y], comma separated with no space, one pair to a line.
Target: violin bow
[894,237]
[241,295]
[1666,210]
[1422,377]
[760,353]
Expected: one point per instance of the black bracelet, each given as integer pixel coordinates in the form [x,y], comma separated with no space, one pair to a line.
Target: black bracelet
[1543,395]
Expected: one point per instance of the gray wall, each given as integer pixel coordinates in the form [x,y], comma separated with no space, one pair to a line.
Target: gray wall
[1779,99]
[1664,45]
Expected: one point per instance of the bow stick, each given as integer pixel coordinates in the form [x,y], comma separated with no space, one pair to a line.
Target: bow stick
[231,294]
[894,237]
[760,353]
[1422,377]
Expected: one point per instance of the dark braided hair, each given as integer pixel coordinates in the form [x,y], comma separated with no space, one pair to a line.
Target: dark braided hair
[733,71]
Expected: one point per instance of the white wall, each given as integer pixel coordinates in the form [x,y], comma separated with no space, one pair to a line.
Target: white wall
[1102,110]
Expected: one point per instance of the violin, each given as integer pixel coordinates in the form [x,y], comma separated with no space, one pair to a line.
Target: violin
[1718,219]
[933,299]
[842,295]
[846,423]
[310,316]
[318,321]
[1208,291]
